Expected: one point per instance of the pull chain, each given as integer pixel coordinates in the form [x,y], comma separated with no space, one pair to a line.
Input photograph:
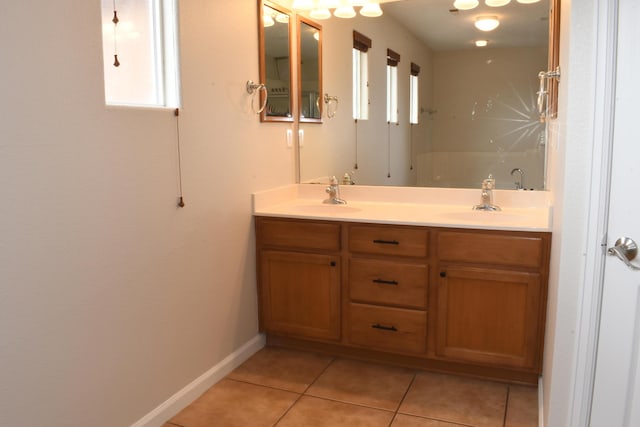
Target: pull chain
[115,21]
[180,198]
[356,164]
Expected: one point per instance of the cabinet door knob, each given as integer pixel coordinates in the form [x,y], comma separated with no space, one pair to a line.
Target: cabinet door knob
[443,274]
[332,264]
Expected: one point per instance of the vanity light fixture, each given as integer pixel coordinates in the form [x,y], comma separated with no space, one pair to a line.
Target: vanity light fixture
[302,4]
[320,13]
[481,43]
[371,10]
[497,3]
[344,12]
[320,9]
[465,4]
[487,23]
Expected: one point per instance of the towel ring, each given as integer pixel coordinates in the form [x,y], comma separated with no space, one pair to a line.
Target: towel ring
[328,99]
[255,88]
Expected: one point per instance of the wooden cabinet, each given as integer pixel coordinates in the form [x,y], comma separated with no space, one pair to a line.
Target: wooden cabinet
[491,297]
[455,300]
[299,290]
[388,286]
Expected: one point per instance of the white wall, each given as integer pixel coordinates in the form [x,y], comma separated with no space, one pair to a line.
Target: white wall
[572,141]
[111,298]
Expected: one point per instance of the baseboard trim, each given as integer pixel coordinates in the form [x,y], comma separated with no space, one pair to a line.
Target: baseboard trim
[189,393]
[540,402]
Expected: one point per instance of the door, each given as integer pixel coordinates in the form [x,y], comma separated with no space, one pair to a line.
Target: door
[616,395]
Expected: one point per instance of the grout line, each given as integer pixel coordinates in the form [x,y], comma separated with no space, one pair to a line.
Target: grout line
[395,414]
[506,406]
[303,393]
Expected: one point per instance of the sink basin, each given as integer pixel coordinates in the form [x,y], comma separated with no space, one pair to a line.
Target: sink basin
[325,209]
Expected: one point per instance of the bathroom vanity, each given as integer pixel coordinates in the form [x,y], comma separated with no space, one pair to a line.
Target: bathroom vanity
[445,291]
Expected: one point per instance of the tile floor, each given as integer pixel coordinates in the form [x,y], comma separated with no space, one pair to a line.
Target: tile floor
[287,388]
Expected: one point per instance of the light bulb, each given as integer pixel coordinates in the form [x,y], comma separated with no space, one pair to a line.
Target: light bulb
[371,10]
[344,12]
[465,4]
[321,13]
[497,3]
[482,43]
[487,23]
[302,4]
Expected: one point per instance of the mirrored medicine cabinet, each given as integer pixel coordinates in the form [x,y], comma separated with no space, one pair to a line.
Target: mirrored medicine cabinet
[294,92]
[293,61]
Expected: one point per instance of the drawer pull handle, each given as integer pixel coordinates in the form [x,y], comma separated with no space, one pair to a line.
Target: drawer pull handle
[384,328]
[386,242]
[385,282]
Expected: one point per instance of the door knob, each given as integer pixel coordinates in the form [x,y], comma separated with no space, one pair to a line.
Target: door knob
[626,249]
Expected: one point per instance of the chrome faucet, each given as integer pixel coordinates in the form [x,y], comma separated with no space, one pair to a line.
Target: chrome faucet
[486,198]
[519,184]
[334,193]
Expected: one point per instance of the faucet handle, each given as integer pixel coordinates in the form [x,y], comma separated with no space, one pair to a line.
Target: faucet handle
[488,183]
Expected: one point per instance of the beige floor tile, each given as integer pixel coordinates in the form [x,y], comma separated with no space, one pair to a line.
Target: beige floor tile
[411,421]
[314,412]
[522,410]
[456,399]
[280,368]
[367,384]
[235,404]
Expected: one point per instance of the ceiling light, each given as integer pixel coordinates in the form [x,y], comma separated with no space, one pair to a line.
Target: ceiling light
[344,12]
[498,3]
[528,1]
[371,10]
[482,43]
[322,13]
[487,23]
[465,4]
[302,4]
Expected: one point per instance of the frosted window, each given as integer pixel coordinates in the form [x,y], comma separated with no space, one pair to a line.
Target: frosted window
[392,94]
[145,40]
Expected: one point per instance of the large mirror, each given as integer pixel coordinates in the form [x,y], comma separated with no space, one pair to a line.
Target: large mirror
[477,105]
[274,31]
[309,70]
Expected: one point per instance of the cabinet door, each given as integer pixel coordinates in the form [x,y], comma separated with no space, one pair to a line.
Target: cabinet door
[300,294]
[489,316]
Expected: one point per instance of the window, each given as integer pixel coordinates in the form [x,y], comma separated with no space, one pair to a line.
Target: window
[361,45]
[393,59]
[414,101]
[145,40]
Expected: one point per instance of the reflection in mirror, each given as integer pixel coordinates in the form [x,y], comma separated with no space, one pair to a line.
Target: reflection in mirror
[477,105]
[310,70]
[275,61]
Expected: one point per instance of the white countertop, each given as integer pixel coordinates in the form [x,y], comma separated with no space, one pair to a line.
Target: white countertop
[436,207]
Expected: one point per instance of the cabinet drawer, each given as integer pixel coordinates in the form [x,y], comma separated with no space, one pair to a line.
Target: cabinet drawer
[491,248]
[298,234]
[395,330]
[400,241]
[384,282]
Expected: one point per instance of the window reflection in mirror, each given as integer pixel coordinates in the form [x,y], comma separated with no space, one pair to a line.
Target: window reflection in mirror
[275,61]
[310,70]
